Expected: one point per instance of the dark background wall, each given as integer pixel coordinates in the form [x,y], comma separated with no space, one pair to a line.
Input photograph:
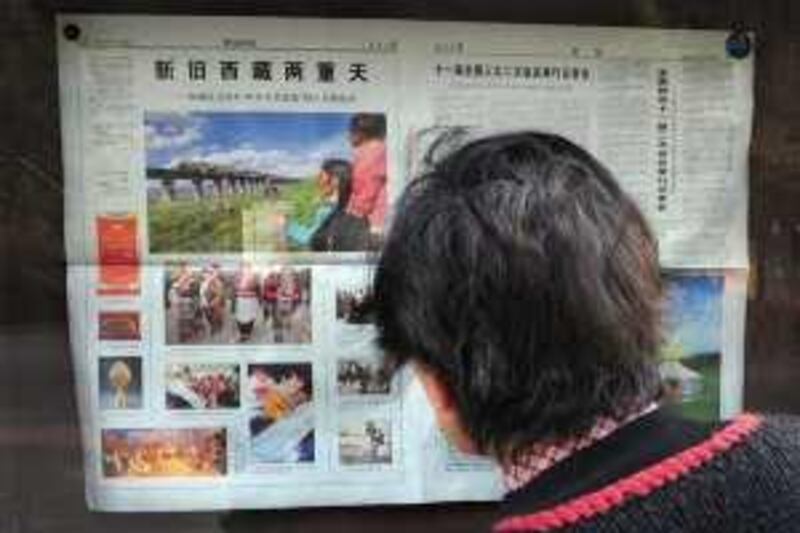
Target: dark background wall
[40,471]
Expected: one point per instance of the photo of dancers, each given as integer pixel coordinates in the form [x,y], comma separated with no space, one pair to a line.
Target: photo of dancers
[248,304]
[179,452]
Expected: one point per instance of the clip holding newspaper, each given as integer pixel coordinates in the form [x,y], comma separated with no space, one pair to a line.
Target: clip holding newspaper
[223,352]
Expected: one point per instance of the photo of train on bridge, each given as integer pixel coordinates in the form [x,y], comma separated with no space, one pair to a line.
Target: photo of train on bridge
[266,182]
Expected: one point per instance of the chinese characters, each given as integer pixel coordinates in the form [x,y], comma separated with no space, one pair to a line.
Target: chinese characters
[527,72]
[198,70]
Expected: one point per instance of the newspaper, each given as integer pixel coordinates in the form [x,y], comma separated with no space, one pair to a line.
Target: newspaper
[221,336]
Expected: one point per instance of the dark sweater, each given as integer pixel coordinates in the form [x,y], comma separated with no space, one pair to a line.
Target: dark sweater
[664,474]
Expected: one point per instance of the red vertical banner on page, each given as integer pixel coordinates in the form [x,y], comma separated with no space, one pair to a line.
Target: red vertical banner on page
[118,255]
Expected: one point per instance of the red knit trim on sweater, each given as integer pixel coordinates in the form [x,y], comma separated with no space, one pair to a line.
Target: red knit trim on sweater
[639,484]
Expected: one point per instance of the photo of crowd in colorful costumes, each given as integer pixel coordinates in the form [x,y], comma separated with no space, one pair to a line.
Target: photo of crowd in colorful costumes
[244,304]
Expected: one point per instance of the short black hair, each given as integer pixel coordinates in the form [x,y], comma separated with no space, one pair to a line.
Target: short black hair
[519,271]
[370,125]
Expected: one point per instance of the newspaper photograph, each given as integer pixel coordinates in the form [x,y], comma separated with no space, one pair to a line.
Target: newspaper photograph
[201,386]
[690,360]
[210,304]
[281,419]
[132,453]
[265,182]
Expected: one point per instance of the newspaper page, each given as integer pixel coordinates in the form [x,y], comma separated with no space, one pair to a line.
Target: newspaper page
[221,336]
[668,112]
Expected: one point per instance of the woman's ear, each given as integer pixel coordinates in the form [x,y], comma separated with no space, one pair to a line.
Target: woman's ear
[445,407]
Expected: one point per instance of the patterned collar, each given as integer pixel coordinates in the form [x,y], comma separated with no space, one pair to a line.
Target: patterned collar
[540,457]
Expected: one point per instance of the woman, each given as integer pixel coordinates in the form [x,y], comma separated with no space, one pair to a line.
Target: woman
[287,300]
[184,299]
[523,284]
[212,300]
[247,301]
[369,199]
[332,181]
[341,231]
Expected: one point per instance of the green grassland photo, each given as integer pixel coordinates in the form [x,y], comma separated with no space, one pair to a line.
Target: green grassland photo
[222,182]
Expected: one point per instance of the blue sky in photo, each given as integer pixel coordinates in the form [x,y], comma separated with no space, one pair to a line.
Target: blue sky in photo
[694,312]
[287,144]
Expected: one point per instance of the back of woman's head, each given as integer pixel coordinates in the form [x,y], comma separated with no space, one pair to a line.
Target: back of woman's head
[521,274]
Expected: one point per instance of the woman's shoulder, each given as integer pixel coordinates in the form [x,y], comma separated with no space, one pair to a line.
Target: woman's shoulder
[753,458]
[780,432]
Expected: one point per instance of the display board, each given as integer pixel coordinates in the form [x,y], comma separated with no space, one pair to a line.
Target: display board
[222,350]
